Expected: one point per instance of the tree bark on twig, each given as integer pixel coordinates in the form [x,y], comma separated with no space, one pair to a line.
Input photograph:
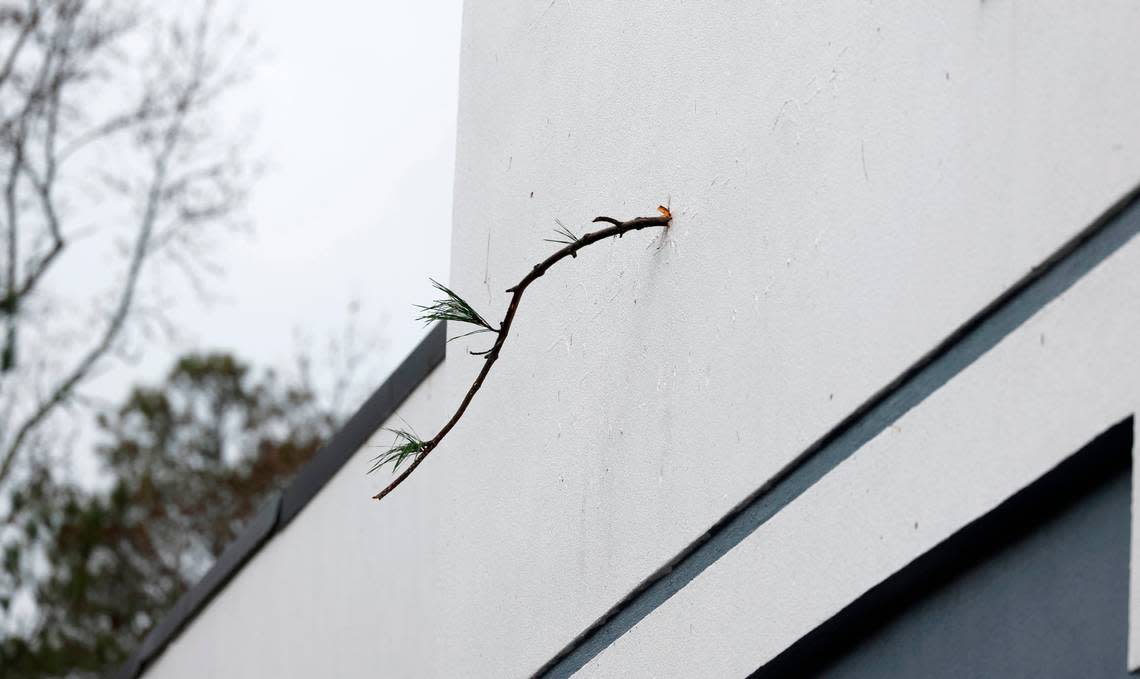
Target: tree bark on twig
[617,229]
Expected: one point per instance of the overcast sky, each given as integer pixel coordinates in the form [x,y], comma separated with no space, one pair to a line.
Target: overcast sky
[355,107]
[356,103]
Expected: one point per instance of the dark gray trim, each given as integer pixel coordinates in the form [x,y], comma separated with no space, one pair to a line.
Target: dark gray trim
[375,411]
[252,537]
[964,346]
[957,567]
[285,506]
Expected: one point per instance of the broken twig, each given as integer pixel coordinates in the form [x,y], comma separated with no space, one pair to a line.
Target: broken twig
[407,446]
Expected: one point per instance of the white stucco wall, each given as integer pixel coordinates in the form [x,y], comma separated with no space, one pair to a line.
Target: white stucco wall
[1047,389]
[849,183]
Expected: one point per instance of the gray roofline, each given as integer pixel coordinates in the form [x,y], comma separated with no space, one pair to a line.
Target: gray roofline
[284,506]
[1044,283]
[1070,483]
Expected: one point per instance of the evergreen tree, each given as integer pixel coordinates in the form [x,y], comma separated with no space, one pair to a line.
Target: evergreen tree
[188,463]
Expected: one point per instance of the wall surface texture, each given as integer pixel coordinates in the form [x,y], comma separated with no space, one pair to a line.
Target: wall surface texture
[850,184]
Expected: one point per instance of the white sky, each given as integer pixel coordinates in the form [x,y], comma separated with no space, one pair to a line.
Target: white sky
[356,107]
[357,115]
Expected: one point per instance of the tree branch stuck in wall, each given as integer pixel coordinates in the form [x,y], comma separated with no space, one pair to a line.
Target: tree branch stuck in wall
[407,445]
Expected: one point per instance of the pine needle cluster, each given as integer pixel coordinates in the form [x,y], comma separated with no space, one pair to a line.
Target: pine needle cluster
[406,445]
[565,236]
[452,308]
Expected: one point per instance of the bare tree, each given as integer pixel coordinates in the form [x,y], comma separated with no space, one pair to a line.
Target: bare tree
[113,168]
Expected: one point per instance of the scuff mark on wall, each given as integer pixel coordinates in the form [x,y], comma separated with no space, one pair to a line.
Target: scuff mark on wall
[487,269]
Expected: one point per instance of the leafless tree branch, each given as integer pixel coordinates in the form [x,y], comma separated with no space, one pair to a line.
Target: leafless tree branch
[64,54]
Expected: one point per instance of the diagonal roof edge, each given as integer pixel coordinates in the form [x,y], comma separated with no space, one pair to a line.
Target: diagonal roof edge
[284,506]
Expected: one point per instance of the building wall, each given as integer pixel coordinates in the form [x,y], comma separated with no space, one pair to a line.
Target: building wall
[849,184]
[1048,388]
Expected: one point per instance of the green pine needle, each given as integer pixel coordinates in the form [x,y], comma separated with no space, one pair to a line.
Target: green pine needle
[566,236]
[406,445]
[452,308]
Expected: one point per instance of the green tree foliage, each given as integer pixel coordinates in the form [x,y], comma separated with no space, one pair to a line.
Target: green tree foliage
[188,463]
